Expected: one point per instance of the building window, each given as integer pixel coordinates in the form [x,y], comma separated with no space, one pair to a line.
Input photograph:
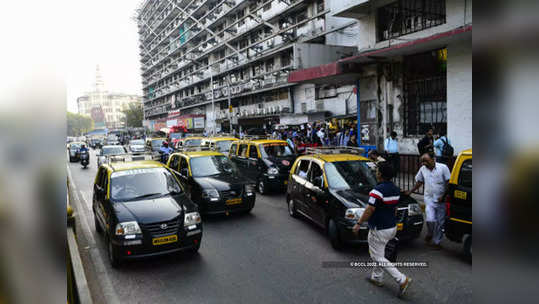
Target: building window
[408,16]
[425,88]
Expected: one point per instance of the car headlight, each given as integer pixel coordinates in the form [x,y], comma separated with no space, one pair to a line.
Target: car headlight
[191,218]
[250,189]
[354,213]
[273,170]
[414,209]
[210,194]
[128,228]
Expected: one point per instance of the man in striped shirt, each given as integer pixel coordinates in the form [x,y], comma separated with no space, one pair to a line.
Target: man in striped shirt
[380,214]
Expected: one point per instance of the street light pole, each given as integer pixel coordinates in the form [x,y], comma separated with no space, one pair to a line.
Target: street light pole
[229,105]
[212,101]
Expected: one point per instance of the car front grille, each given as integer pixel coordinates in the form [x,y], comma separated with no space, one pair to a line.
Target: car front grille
[235,193]
[156,229]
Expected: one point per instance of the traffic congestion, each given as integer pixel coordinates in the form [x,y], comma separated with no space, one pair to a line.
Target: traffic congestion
[151,197]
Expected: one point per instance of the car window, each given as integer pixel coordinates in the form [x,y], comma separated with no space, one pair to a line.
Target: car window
[192,142]
[352,174]
[316,172]
[183,163]
[222,145]
[465,174]
[303,168]
[140,183]
[233,149]
[112,150]
[242,150]
[213,165]
[174,162]
[253,152]
[276,150]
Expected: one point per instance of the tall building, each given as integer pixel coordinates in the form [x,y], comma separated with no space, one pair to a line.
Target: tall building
[212,63]
[413,70]
[104,107]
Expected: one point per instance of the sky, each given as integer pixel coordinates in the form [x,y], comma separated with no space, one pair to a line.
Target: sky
[102,32]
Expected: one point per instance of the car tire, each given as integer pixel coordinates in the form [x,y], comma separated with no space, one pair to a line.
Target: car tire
[333,233]
[262,187]
[467,247]
[112,254]
[98,228]
[292,208]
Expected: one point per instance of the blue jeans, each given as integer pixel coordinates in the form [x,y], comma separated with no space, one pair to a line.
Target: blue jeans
[439,220]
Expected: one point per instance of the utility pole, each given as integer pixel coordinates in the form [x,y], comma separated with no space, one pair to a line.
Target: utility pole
[212,100]
[229,105]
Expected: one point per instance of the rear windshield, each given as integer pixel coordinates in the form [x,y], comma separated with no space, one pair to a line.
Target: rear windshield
[157,142]
[113,150]
[192,142]
[223,145]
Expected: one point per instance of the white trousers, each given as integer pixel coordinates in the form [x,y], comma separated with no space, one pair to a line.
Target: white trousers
[436,213]
[377,244]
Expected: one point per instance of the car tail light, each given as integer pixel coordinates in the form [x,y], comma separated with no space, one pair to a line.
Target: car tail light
[448,206]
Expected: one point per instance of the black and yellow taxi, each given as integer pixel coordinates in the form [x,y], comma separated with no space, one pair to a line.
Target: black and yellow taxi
[154,144]
[220,143]
[192,140]
[265,161]
[458,222]
[142,211]
[213,182]
[330,187]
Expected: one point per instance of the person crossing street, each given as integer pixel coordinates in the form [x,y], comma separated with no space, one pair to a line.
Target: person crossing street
[380,214]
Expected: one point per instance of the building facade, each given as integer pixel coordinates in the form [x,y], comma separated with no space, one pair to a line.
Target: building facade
[227,62]
[413,70]
[105,107]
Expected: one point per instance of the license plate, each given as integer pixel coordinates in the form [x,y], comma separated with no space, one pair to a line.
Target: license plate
[233,201]
[286,182]
[399,226]
[165,240]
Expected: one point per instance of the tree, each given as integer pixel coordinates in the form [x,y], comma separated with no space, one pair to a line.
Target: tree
[78,124]
[133,115]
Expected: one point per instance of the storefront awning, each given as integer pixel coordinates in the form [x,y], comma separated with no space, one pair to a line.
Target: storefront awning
[347,70]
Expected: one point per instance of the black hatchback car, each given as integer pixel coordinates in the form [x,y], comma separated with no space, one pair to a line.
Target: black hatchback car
[332,191]
[143,211]
[213,182]
[265,161]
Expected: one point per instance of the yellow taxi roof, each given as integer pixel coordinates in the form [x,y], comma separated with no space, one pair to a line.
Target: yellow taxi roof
[268,141]
[200,153]
[338,157]
[467,152]
[192,137]
[139,164]
[222,138]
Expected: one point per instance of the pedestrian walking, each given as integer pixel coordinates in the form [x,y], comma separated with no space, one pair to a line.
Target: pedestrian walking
[435,177]
[426,144]
[443,149]
[380,215]
[391,147]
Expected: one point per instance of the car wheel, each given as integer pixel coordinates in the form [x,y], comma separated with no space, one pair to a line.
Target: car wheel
[262,187]
[292,208]
[467,248]
[113,255]
[333,233]
[98,228]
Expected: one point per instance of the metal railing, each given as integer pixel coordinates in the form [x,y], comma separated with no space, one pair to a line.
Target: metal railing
[408,165]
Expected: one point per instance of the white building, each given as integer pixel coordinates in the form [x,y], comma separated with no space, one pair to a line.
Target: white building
[229,61]
[413,70]
[105,107]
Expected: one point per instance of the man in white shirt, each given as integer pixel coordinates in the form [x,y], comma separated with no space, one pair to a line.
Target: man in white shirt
[435,177]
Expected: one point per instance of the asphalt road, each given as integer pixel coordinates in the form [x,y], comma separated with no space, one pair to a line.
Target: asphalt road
[262,257]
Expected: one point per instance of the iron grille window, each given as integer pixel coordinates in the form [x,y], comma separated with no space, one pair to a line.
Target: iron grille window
[425,86]
[409,16]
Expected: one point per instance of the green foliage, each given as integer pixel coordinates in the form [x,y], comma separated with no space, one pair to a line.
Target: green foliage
[78,124]
[133,115]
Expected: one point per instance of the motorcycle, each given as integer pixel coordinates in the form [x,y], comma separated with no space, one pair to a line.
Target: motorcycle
[84,159]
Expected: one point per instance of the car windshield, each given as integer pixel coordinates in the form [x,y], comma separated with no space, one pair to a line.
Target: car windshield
[142,183]
[350,175]
[223,145]
[192,142]
[113,150]
[74,146]
[157,143]
[276,150]
[138,142]
[212,165]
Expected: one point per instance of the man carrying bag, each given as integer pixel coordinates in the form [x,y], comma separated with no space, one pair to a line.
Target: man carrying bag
[380,214]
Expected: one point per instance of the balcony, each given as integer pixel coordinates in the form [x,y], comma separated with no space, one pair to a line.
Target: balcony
[356,9]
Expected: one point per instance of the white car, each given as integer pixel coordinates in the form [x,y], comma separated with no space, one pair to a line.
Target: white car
[111,152]
[136,146]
